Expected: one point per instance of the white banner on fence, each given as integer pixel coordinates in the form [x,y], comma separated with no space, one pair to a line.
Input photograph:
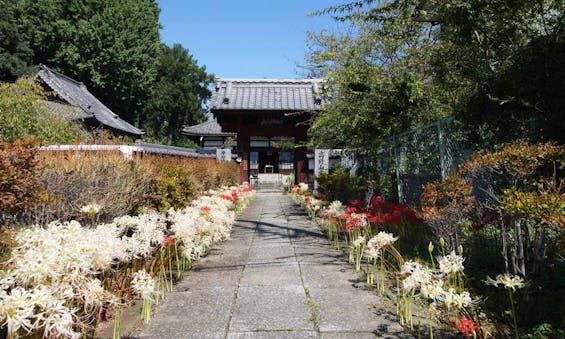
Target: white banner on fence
[223,154]
[321,163]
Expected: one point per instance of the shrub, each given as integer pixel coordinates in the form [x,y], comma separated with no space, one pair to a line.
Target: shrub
[21,116]
[339,185]
[507,208]
[176,181]
[19,171]
[74,179]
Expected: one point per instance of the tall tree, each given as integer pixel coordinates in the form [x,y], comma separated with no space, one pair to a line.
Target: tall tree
[112,46]
[177,95]
[15,49]
[495,65]
[378,79]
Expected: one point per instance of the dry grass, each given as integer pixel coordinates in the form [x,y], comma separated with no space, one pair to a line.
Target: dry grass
[73,179]
[70,180]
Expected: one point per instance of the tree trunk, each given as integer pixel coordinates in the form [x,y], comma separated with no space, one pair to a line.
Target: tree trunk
[504,240]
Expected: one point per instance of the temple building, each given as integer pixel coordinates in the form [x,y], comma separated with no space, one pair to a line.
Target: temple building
[72,99]
[270,119]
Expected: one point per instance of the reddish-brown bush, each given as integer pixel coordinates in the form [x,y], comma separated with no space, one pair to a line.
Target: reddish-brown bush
[18,178]
[74,179]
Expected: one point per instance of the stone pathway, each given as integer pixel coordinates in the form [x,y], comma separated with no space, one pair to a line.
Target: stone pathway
[275,278]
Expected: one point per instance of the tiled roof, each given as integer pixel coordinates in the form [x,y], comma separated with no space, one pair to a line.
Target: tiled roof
[75,93]
[267,94]
[63,110]
[169,150]
[208,128]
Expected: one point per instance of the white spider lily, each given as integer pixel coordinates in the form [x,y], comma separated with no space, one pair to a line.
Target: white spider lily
[360,241]
[506,280]
[91,209]
[452,299]
[143,284]
[376,243]
[451,263]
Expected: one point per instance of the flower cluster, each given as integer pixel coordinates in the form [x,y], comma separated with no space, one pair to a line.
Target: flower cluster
[144,284]
[507,281]
[434,285]
[442,287]
[376,243]
[53,284]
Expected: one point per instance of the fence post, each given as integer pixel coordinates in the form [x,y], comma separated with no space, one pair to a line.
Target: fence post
[397,167]
[442,156]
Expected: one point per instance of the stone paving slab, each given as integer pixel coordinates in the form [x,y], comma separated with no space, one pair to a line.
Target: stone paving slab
[204,277]
[277,277]
[332,275]
[350,310]
[271,274]
[277,252]
[201,313]
[274,335]
[279,308]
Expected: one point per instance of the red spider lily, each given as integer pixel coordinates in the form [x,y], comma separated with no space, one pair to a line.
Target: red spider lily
[374,217]
[357,204]
[234,195]
[466,326]
[389,213]
[353,223]
[205,209]
[247,188]
[167,240]
[227,197]
[352,209]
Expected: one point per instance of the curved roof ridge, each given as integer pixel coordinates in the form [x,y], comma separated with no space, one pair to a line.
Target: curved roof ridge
[270,80]
[50,70]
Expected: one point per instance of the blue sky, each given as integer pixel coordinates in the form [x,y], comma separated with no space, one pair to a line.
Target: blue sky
[245,38]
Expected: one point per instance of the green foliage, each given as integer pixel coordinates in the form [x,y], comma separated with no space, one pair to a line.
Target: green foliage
[111,46]
[495,64]
[114,48]
[15,49]
[21,116]
[339,185]
[175,181]
[177,95]
[545,331]
[507,59]
[377,82]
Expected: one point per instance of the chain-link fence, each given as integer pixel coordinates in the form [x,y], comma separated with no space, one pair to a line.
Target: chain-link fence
[409,160]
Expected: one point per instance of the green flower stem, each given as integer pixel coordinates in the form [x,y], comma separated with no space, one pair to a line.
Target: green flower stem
[433,261]
[431,322]
[170,262]
[117,324]
[177,260]
[511,297]
[146,310]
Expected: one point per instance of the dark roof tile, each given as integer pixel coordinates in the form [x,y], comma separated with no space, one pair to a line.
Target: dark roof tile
[267,94]
[75,93]
[208,128]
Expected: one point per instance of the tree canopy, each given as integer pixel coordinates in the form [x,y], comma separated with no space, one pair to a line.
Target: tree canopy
[113,47]
[495,65]
[177,95]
